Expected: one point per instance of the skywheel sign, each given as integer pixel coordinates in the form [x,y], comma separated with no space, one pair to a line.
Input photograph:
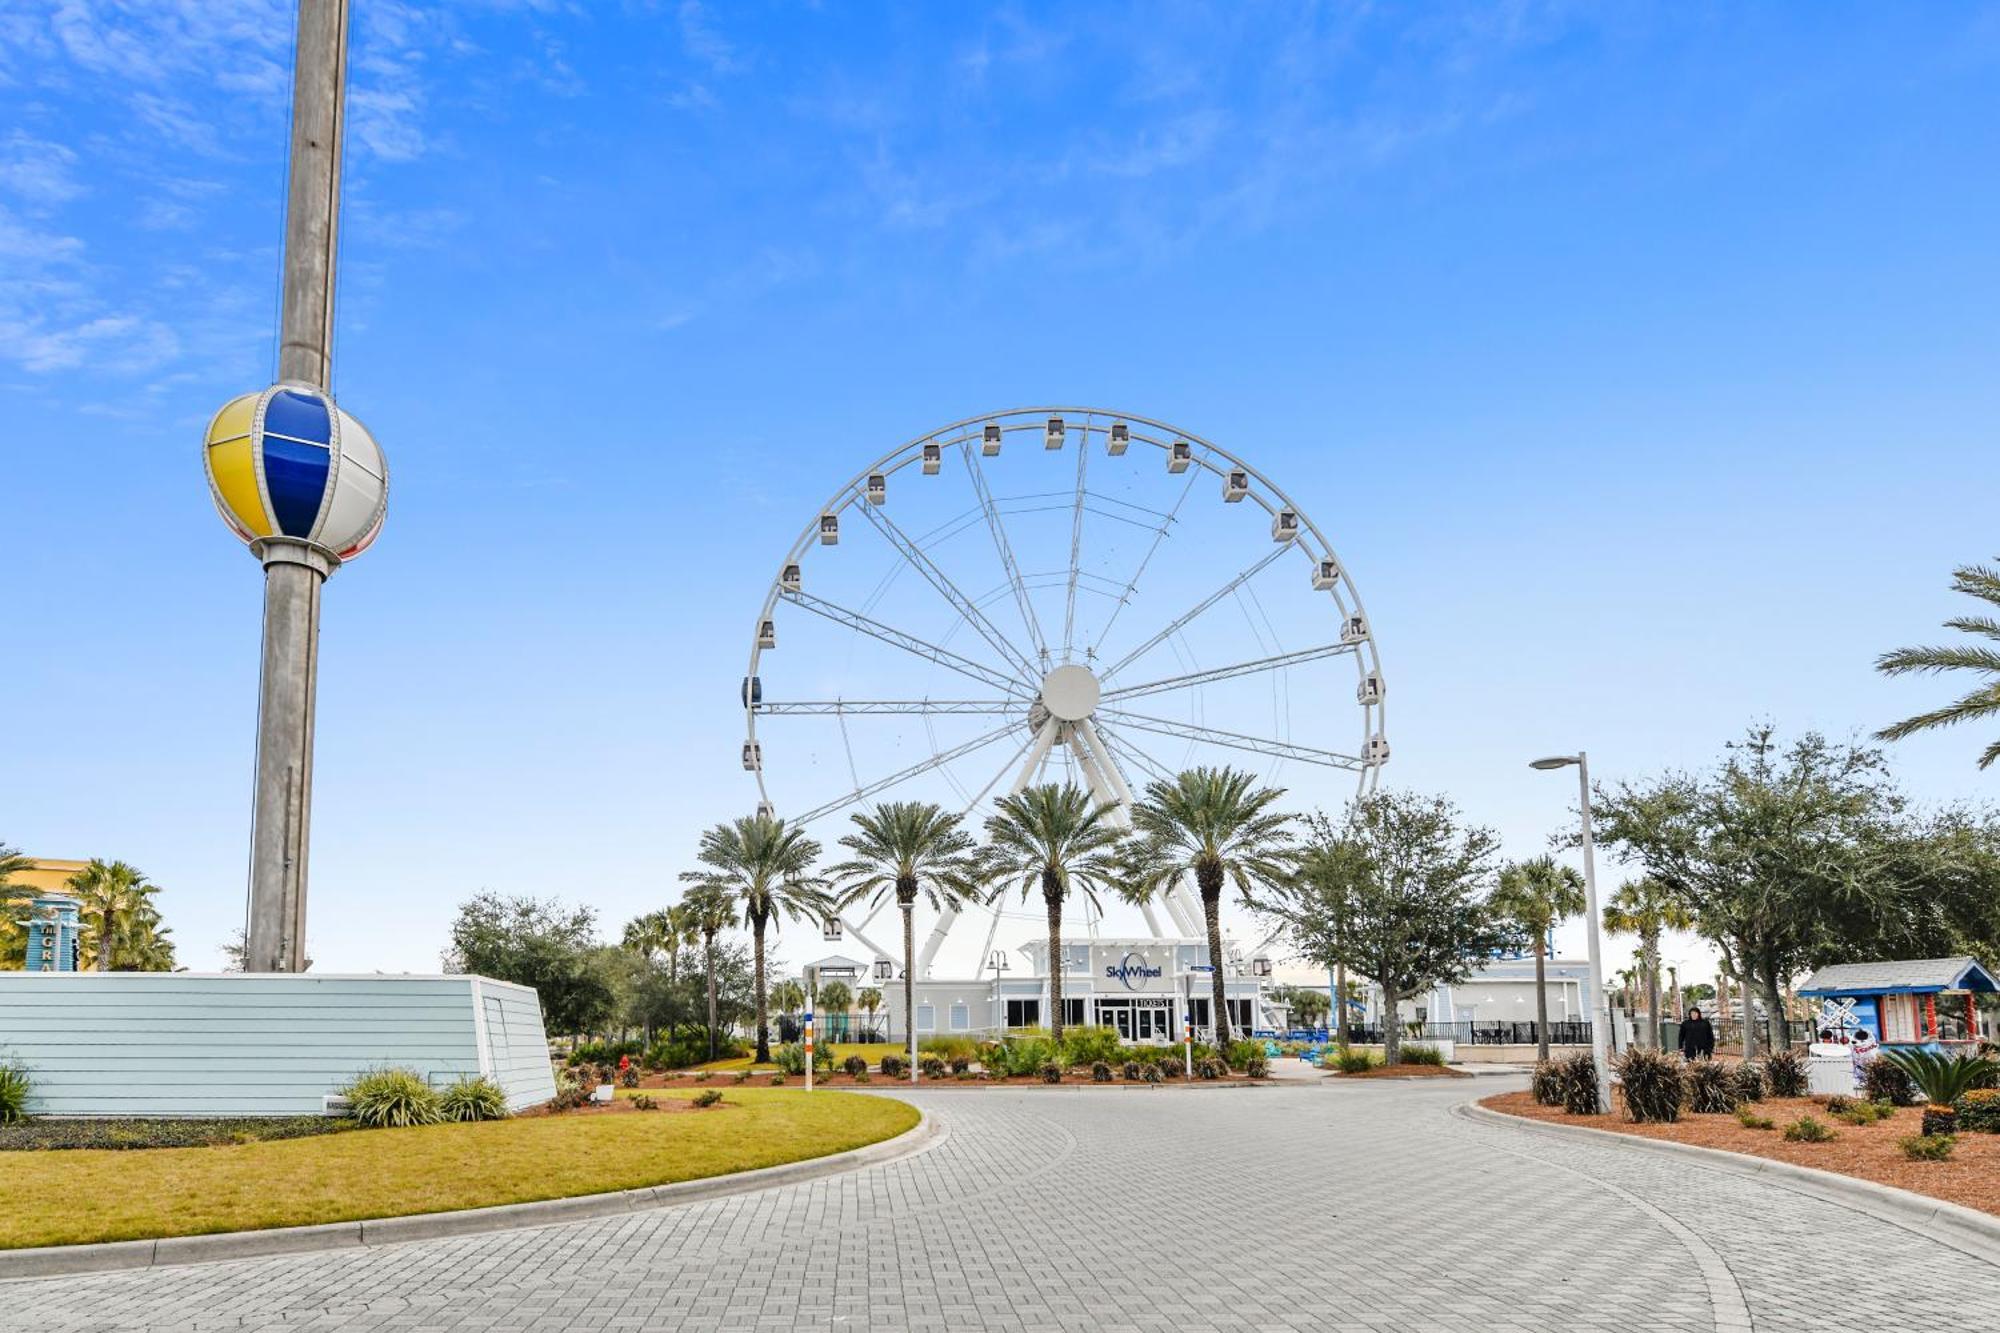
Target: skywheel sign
[1133,971]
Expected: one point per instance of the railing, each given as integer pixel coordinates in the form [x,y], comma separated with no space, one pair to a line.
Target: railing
[1471,1032]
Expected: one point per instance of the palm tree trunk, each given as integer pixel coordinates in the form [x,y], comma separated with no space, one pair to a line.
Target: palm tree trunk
[1209,878]
[763,1056]
[708,952]
[1652,963]
[1052,899]
[910,979]
[1541,999]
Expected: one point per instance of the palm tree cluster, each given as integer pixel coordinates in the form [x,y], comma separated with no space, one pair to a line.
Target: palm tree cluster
[1053,842]
[123,930]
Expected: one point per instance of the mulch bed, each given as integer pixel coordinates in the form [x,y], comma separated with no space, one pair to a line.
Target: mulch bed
[43,1135]
[1971,1177]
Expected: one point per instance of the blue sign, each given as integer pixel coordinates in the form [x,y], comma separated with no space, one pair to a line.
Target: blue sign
[1132,970]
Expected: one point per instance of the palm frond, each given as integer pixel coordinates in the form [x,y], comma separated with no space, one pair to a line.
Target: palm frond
[1905,660]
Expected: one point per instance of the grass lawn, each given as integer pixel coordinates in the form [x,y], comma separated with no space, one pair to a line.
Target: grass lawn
[66,1198]
[871,1051]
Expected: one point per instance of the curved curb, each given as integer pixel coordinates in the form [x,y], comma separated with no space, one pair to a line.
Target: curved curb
[1965,1229]
[111,1256]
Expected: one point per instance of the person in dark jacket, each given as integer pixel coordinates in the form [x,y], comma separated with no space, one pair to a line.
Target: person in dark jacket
[1697,1037]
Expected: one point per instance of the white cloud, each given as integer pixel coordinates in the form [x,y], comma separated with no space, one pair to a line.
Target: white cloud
[703,42]
[37,171]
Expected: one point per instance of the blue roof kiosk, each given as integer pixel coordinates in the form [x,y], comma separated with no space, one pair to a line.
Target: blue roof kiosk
[1923,1002]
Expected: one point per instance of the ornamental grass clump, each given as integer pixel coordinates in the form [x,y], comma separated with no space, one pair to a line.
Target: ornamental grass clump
[15,1086]
[854,1066]
[1545,1084]
[1749,1082]
[1785,1073]
[1257,1066]
[391,1099]
[1150,1073]
[1807,1129]
[931,1066]
[1100,1072]
[1210,1069]
[1423,1055]
[708,1097]
[1749,1119]
[894,1066]
[1051,1072]
[1883,1080]
[1129,1071]
[472,1099]
[1577,1075]
[1927,1147]
[1655,1085]
[1711,1088]
[1350,1061]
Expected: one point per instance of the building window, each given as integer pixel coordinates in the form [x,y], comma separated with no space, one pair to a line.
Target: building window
[1242,1014]
[961,1017]
[1899,1019]
[927,1018]
[1199,1010]
[1073,1012]
[1024,1013]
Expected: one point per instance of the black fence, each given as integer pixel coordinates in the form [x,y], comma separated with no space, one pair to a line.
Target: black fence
[1475,1033]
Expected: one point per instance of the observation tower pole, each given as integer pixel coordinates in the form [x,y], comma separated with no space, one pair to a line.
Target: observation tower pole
[294,569]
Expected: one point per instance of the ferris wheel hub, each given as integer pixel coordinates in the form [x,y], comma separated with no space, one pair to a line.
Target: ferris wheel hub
[1069,693]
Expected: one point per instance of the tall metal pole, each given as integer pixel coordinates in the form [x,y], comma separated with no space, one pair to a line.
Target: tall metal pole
[274,939]
[1600,1026]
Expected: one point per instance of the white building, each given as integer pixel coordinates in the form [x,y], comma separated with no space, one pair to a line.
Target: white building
[1503,991]
[1142,988]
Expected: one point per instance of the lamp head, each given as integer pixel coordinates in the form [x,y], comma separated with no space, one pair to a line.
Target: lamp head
[1554,761]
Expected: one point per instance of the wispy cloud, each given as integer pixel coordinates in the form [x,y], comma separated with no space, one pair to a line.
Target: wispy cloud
[36,171]
[704,42]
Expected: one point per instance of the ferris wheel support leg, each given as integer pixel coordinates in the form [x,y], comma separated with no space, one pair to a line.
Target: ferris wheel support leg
[1044,739]
[986,952]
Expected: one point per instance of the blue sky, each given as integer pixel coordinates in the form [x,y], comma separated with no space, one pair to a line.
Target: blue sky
[1637,359]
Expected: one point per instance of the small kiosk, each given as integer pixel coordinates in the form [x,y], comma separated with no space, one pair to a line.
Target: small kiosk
[1923,1003]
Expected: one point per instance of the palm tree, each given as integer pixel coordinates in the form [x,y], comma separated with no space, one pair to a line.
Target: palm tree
[835,998]
[870,1000]
[1982,582]
[767,867]
[1645,907]
[1537,896]
[910,849]
[1057,840]
[789,997]
[1215,824]
[116,897]
[711,909]
[14,896]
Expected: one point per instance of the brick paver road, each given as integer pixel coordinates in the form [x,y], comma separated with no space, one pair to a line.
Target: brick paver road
[1319,1206]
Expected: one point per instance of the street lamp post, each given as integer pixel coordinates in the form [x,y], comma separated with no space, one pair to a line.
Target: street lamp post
[1600,1020]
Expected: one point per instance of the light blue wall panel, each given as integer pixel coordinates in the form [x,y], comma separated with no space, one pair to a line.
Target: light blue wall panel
[99,1044]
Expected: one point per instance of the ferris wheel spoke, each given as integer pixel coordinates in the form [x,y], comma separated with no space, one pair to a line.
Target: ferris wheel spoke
[1199,607]
[1275,662]
[863,792]
[964,605]
[923,707]
[1137,757]
[1075,541]
[910,643]
[1234,740]
[1006,550]
[1132,584]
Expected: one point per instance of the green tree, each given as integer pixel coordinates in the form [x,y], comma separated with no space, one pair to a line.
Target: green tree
[1054,840]
[789,997]
[711,910]
[909,849]
[1647,908]
[15,895]
[870,1001]
[1983,583]
[122,929]
[1397,897]
[1537,896]
[545,945]
[1305,1007]
[767,866]
[835,998]
[1216,825]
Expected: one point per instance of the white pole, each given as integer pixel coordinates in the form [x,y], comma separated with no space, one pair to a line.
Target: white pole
[812,1003]
[1600,1026]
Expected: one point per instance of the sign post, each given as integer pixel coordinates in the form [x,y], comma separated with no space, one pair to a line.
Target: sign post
[812,997]
[1187,1014]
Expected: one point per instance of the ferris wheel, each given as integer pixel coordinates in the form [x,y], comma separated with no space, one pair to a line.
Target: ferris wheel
[1056,594]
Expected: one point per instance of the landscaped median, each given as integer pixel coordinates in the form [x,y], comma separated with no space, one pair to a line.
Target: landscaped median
[70,1197]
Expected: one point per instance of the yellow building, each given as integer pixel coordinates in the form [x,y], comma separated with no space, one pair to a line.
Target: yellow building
[43,876]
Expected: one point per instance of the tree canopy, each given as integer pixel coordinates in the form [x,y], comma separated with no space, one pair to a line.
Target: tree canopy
[544,944]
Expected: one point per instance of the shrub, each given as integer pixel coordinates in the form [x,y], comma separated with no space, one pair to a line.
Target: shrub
[1257,1067]
[1785,1073]
[1942,1079]
[949,1049]
[704,1076]
[1979,1111]
[1749,1119]
[1545,1085]
[777,1080]
[855,1066]
[1883,1080]
[472,1099]
[15,1085]
[932,1067]
[742,1076]
[1088,1045]
[1150,1073]
[1210,1069]
[391,1098]
[644,1102]
[1051,1072]
[691,1048]
[1927,1147]
[791,1059]
[960,1065]
[1655,1085]
[1350,1061]
[1711,1087]
[1808,1130]
[1129,1071]
[1100,1071]
[571,1091]
[1939,1120]
[1239,1054]
[862,1077]
[708,1097]
[894,1066]
[1749,1082]
[604,1052]
[1423,1055]
[1578,1076]
[630,1078]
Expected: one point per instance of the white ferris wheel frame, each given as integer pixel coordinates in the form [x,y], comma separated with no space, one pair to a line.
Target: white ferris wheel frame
[1093,749]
